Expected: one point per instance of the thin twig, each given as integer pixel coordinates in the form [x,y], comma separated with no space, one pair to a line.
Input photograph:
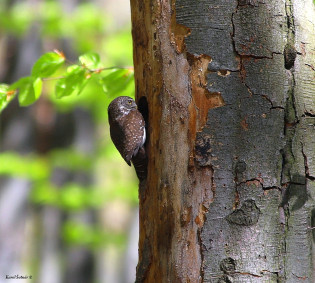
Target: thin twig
[53,78]
[108,68]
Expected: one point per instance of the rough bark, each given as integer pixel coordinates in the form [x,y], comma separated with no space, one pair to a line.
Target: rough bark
[230,88]
[167,231]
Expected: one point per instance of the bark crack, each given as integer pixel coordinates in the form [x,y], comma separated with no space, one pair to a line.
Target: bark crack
[290,21]
[202,273]
[250,181]
[257,182]
[290,116]
[307,170]
[243,57]
[271,103]
[300,277]
[248,273]
[238,55]
[291,121]
[308,114]
[272,272]
[311,66]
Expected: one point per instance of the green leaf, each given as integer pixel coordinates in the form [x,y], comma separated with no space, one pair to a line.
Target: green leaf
[73,196]
[70,159]
[47,64]
[92,236]
[90,60]
[29,90]
[74,82]
[5,96]
[44,193]
[116,81]
[37,84]
[30,167]
[3,89]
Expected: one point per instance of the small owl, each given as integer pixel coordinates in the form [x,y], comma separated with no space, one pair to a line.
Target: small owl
[127,131]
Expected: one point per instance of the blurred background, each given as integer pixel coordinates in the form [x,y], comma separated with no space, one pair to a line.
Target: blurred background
[68,201]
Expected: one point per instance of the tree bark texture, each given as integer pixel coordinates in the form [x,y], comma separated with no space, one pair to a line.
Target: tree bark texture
[230,87]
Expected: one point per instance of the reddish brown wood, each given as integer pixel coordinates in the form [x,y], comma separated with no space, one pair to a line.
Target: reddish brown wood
[177,193]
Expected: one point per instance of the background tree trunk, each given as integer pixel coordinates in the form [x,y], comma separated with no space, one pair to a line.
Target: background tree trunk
[230,88]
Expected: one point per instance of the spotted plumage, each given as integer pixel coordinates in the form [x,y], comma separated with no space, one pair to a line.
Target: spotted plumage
[127,130]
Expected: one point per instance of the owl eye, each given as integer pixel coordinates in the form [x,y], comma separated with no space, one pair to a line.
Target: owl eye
[129,102]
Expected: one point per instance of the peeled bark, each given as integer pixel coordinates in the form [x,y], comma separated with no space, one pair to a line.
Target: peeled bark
[230,87]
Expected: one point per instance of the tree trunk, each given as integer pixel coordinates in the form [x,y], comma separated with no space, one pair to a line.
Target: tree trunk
[230,87]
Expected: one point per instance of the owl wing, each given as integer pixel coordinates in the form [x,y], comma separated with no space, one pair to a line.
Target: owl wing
[118,136]
[134,134]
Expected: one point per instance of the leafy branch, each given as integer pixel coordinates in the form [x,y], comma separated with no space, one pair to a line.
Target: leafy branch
[72,81]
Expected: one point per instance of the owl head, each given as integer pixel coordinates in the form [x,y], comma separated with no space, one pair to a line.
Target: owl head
[121,106]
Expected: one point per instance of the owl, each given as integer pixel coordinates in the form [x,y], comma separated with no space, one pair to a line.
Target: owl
[127,131]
